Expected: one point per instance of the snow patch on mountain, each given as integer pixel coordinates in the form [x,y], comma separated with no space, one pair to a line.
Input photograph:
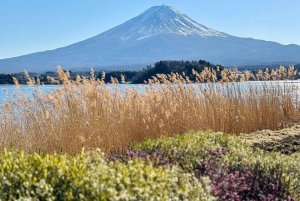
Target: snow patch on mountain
[161,20]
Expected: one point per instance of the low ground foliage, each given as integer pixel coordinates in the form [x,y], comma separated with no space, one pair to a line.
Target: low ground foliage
[236,171]
[286,141]
[89,177]
[193,166]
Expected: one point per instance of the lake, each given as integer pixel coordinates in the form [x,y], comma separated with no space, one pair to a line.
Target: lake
[8,90]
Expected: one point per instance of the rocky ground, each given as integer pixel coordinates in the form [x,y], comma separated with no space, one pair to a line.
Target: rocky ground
[286,141]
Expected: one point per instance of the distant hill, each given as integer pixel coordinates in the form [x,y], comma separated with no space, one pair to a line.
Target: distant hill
[159,33]
[164,67]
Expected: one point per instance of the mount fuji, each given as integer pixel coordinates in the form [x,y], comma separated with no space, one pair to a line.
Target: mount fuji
[159,33]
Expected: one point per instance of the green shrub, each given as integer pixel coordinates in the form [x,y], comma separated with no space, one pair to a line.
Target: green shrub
[90,177]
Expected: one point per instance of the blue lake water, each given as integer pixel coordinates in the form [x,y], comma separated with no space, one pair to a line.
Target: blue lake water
[8,90]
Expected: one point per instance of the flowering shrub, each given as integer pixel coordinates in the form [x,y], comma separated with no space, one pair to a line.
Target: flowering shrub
[194,166]
[90,177]
[236,171]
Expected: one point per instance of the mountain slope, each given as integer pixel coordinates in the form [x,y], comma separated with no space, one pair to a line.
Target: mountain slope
[160,20]
[159,33]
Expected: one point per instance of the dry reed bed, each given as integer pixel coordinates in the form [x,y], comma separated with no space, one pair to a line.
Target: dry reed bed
[88,113]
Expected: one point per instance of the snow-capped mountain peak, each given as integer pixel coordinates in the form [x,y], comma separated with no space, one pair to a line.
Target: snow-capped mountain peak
[159,33]
[160,20]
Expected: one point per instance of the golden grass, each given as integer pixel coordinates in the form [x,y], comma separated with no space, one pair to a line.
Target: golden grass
[85,112]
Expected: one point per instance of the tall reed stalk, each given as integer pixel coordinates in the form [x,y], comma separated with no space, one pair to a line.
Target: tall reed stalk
[85,112]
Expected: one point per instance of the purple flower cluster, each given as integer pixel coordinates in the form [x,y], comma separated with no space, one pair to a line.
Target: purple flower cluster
[241,183]
[225,185]
[228,183]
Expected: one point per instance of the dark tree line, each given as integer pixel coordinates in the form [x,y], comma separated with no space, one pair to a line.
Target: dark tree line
[136,77]
[6,79]
[167,67]
[117,74]
[162,67]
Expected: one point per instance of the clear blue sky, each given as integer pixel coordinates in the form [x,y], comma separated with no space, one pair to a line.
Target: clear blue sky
[28,26]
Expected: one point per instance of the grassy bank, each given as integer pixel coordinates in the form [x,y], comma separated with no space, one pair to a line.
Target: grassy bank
[149,150]
[86,113]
